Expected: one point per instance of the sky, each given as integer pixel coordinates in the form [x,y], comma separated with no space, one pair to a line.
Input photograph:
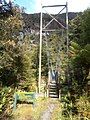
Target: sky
[33,6]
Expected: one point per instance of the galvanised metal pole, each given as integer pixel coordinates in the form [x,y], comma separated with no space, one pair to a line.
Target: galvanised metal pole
[67,41]
[40,50]
[67,26]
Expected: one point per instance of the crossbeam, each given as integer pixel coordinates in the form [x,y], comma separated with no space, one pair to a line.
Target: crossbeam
[54,18]
[51,30]
[54,6]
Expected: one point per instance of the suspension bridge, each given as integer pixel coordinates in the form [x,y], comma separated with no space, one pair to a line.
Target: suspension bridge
[53,82]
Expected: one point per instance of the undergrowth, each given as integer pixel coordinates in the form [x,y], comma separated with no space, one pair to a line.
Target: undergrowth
[29,112]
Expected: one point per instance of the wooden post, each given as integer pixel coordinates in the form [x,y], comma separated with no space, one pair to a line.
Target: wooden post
[60,95]
[49,79]
[15,101]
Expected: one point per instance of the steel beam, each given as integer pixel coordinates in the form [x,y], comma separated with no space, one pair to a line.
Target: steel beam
[51,30]
[53,6]
[67,26]
[40,50]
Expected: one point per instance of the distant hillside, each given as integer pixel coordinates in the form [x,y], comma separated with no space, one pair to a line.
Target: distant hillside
[32,21]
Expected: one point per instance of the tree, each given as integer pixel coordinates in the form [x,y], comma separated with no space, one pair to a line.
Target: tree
[79,48]
[85,36]
[10,58]
[75,29]
[80,28]
[10,28]
[28,77]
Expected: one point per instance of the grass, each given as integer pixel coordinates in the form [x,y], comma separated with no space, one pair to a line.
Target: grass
[23,112]
[57,113]
[28,112]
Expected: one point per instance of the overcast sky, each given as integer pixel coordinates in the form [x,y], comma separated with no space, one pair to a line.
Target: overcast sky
[33,6]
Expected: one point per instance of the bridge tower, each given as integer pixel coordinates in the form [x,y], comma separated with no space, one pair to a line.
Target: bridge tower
[44,29]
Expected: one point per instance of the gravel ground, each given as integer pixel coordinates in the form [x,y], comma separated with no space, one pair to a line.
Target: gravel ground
[46,115]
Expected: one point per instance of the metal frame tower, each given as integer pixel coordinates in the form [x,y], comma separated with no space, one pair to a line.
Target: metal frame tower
[48,30]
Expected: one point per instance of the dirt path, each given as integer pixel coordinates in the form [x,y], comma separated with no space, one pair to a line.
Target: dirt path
[47,114]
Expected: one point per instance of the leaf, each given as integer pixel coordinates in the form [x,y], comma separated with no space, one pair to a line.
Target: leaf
[1,105]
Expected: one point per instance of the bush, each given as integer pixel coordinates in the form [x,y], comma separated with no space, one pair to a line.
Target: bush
[6,102]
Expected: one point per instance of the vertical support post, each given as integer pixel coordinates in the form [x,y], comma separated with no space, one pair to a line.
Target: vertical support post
[40,50]
[67,41]
[47,49]
[49,79]
[15,101]
[48,66]
[67,26]
[60,94]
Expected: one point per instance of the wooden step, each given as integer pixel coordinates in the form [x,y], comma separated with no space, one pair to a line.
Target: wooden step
[53,87]
[53,96]
[51,90]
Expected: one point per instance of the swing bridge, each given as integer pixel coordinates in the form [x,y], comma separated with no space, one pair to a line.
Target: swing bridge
[53,83]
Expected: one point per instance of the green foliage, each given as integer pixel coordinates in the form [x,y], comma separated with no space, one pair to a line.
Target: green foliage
[6,101]
[56,49]
[9,48]
[75,29]
[10,59]
[79,66]
[80,28]
[83,105]
[85,36]
[80,48]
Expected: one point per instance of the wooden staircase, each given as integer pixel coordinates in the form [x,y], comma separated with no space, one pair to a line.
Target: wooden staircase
[53,90]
